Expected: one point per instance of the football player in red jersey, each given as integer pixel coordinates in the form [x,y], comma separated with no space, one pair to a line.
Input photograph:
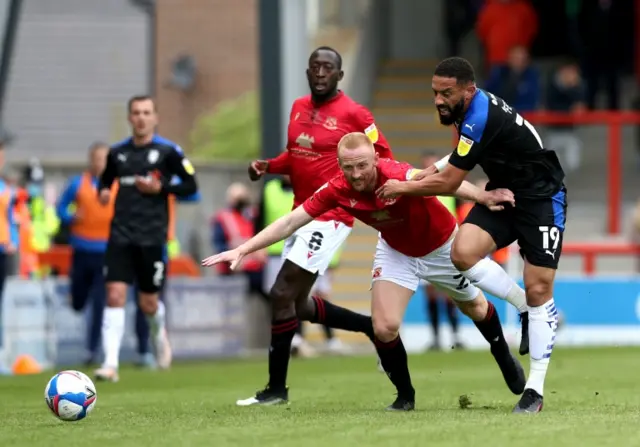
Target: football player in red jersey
[416,235]
[317,123]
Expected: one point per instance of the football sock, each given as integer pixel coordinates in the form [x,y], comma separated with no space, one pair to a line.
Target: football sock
[338,317]
[328,332]
[393,357]
[434,318]
[156,321]
[491,329]
[112,332]
[490,277]
[543,323]
[452,312]
[282,333]
[142,331]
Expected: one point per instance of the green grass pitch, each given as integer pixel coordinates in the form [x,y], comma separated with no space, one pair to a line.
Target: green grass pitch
[592,399]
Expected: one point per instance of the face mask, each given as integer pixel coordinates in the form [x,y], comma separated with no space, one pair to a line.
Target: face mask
[240,205]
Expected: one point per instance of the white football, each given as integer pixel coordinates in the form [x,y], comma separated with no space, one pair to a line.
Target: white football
[70,395]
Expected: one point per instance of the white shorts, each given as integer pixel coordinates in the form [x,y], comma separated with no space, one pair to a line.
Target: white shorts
[274,263]
[311,247]
[271,269]
[323,284]
[436,267]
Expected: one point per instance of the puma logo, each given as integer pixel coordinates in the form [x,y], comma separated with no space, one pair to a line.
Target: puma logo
[551,253]
[470,126]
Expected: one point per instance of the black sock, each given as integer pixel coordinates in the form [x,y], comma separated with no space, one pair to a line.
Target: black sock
[491,329]
[300,330]
[432,309]
[338,317]
[452,312]
[328,332]
[393,357]
[282,333]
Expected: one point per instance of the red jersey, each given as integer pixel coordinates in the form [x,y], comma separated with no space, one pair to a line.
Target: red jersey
[414,226]
[311,158]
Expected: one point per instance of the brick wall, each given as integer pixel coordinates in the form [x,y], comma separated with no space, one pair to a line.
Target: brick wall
[222,37]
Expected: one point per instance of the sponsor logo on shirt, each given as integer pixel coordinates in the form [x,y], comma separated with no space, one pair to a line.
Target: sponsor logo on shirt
[464,146]
[305,141]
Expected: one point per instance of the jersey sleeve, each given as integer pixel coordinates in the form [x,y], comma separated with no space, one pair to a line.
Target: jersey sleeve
[397,170]
[364,122]
[323,200]
[473,134]
[180,166]
[110,172]
[280,165]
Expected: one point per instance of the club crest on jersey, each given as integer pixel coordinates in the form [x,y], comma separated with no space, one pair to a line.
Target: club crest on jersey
[464,146]
[372,133]
[330,123]
[153,156]
[305,141]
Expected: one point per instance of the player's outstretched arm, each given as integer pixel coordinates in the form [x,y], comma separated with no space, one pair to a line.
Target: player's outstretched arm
[443,183]
[277,231]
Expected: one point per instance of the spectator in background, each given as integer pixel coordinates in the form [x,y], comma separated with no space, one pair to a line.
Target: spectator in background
[231,227]
[459,18]
[504,24]
[44,222]
[566,93]
[601,35]
[89,223]
[517,82]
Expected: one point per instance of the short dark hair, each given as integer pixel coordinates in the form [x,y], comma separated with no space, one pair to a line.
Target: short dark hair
[138,98]
[333,50]
[458,68]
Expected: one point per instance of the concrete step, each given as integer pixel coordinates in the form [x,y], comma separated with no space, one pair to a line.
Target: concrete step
[400,102]
[412,95]
[409,63]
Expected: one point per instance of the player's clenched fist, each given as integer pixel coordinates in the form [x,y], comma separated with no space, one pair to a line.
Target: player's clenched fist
[257,169]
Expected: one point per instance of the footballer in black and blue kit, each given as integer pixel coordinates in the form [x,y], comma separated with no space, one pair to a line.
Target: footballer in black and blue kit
[511,153]
[144,166]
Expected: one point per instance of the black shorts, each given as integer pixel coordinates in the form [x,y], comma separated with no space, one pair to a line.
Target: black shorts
[143,265]
[537,225]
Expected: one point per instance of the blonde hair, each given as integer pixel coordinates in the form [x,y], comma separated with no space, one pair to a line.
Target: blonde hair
[354,140]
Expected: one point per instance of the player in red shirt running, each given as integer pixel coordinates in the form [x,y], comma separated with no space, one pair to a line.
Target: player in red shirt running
[416,235]
[317,123]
